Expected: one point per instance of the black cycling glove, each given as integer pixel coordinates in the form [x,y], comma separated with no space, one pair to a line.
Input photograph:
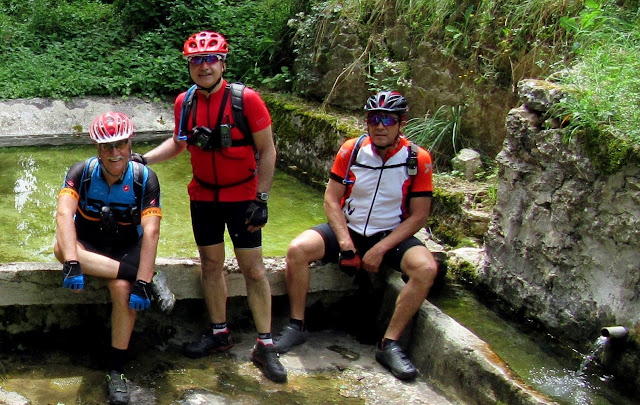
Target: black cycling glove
[136,157]
[257,213]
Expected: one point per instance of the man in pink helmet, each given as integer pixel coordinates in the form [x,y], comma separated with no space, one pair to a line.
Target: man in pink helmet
[378,196]
[232,175]
[108,223]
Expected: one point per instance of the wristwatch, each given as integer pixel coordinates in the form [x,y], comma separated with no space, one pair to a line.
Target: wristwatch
[262,196]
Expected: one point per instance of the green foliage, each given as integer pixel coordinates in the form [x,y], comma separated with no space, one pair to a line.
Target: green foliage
[439,133]
[89,47]
[604,81]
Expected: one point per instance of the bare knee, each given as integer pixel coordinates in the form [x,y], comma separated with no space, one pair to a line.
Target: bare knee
[421,268]
[120,291]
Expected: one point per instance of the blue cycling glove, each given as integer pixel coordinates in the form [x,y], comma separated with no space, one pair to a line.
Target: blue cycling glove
[140,297]
[73,278]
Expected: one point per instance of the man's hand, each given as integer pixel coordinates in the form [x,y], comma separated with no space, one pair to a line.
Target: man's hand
[140,297]
[256,215]
[349,262]
[136,157]
[73,278]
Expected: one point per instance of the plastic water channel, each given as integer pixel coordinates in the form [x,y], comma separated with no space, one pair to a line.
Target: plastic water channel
[30,178]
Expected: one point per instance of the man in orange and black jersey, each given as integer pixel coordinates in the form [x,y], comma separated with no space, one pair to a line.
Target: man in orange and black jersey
[378,196]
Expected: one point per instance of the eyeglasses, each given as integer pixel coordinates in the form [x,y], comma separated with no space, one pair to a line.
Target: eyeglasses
[208,59]
[387,120]
[120,145]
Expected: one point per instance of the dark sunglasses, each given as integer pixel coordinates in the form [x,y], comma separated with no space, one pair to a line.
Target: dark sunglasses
[387,120]
[208,59]
[120,145]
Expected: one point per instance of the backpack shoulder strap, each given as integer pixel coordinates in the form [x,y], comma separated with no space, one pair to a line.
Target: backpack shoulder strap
[85,180]
[187,105]
[412,159]
[352,158]
[237,107]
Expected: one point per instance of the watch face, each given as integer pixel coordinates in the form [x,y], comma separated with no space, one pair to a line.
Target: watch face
[263,196]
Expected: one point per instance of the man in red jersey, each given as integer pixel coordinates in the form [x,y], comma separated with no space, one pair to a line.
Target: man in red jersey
[232,175]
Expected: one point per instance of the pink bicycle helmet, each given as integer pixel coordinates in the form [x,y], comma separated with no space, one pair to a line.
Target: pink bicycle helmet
[111,127]
[204,43]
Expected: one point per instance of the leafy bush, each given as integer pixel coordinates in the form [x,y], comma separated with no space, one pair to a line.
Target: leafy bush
[88,47]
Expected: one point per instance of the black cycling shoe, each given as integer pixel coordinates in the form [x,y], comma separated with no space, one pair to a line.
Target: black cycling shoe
[266,357]
[161,292]
[117,388]
[208,344]
[393,358]
[290,336]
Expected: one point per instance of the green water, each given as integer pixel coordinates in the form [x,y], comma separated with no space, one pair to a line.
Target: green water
[30,178]
[541,361]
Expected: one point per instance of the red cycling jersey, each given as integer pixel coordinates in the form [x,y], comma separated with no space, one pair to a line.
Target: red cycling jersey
[379,196]
[230,169]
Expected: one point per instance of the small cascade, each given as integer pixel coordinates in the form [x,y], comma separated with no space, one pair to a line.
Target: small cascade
[574,387]
[598,347]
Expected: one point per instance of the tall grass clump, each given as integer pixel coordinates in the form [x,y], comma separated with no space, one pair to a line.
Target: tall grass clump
[604,81]
[440,133]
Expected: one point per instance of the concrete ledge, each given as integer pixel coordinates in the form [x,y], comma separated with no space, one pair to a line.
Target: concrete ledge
[39,121]
[40,283]
[460,363]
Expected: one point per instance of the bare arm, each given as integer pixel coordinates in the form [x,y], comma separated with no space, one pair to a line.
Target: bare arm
[66,237]
[263,141]
[168,149]
[150,236]
[419,208]
[333,209]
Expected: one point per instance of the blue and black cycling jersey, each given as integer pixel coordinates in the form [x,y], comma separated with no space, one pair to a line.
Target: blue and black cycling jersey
[110,214]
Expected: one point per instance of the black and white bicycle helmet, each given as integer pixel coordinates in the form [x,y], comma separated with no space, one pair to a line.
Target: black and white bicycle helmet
[387,101]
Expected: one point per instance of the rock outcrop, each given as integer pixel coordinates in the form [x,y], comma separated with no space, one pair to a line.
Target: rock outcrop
[563,243]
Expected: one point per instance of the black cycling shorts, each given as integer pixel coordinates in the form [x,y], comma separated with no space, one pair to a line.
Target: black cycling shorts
[392,258]
[208,220]
[129,253]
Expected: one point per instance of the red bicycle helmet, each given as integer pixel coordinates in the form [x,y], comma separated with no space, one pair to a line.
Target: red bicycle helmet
[111,127]
[204,43]
[387,101]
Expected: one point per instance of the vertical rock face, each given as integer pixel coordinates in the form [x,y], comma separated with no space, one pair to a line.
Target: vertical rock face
[563,244]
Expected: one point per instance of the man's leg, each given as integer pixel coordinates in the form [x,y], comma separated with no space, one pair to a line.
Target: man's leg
[264,353]
[421,267]
[122,321]
[122,317]
[258,289]
[92,263]
[304,249]
[214,288]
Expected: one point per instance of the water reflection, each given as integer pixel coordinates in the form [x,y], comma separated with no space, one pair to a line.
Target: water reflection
[25,184]
[30,179]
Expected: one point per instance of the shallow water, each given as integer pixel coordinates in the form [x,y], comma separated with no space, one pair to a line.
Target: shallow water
[541,361]
[332,367]
[30,178]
